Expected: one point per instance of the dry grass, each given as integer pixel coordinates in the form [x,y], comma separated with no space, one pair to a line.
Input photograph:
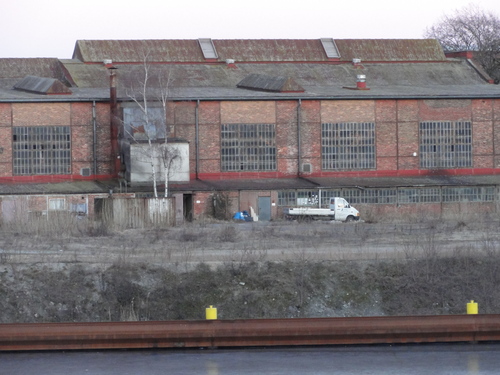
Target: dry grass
[248,270]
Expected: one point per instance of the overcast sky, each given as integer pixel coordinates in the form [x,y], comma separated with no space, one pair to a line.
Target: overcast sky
[50,28]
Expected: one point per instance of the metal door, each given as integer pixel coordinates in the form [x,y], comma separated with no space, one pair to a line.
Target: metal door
[264,208]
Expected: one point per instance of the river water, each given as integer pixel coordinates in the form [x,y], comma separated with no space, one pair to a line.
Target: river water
[433,359]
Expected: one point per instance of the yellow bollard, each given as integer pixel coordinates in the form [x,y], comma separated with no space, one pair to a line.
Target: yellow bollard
[211,313]
[472,307]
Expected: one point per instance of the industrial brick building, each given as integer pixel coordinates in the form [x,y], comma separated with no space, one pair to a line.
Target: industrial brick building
[394,126]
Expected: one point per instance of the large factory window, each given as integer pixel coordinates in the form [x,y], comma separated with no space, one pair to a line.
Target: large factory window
[41,150]
[248,147]
[348,145]
[445,144]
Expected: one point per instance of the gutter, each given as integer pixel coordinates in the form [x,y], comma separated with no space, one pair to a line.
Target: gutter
[343,97]
[197,137]
[299,139]
[94,135]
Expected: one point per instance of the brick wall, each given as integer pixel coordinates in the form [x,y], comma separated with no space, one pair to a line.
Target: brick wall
[76,115]
[496,133]
[310,134]
[397,135]
[396,130]
[286,136]
[386,135]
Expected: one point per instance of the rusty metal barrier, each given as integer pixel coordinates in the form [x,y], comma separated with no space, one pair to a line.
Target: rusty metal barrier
[248,333]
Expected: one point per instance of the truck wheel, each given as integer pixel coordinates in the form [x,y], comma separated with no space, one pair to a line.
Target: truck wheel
[349,218]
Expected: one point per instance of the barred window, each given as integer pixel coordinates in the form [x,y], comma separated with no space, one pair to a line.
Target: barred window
[445,144]
[327,194]
[307,198]
[41,150]
[248,147]
[56,204]
[393,195]
[287,198]
[430,195]
[352,195]
[408,196]
[468,194]
[387,196]
[348,145]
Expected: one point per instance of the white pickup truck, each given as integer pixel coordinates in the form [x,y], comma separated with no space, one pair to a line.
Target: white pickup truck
[340,210]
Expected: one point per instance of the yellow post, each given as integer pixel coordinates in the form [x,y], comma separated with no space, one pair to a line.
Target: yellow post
[472,307]
[211,313]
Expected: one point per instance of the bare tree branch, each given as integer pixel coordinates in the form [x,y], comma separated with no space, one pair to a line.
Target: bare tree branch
[471,29]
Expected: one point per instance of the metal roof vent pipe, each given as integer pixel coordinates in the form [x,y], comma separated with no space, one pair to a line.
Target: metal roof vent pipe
[230,63]
[108,63]
[356,62]
[361,82]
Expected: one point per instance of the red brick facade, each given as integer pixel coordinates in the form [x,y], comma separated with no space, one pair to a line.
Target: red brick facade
[79,117]
[396,132]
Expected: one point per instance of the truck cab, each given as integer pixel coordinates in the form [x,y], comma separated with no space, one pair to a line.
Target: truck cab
[343,211]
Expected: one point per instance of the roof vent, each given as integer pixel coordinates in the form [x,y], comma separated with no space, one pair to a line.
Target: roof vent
[356,61]
[306,168]
[230,63]
[361,81]
[42,85]
[85,172]
[330,48]
[107,61]
[208,49]
[268,83]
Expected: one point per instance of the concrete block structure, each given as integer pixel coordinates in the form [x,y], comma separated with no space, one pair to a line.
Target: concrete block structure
[394,126]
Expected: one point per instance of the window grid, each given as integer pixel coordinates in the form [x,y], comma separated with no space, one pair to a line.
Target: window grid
[468,194]
[287,198]
[307,198]
[348,145]
[445,144]
[41,150]
[430,195]
[57,204]
[392,195]
[248,147]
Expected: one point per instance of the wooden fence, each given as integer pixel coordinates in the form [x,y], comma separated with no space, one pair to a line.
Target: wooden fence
[123,213]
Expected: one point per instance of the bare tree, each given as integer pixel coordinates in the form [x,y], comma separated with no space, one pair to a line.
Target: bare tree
[471,29]
[150,94]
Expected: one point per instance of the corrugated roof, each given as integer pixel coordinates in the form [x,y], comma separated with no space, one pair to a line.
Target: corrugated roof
[304,74]
[219,82]
[390,49]
[271,50]
[127,51]
[21,67]
[336,183]
[87,187]
[69,187]
[258,50]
